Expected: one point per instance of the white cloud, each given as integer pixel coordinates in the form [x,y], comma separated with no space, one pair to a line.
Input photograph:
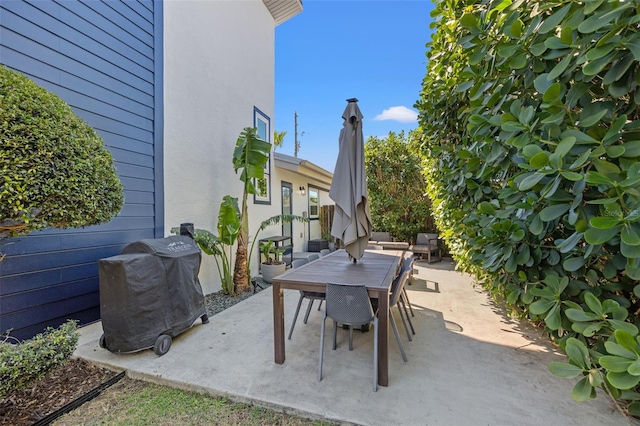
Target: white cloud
[398,113]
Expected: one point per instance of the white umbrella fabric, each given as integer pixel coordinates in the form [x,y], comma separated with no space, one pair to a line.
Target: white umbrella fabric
[351,219]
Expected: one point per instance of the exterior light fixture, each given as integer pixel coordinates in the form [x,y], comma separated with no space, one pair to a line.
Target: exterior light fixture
[303,191]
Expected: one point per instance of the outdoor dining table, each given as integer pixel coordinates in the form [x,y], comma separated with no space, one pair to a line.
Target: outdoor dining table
[376,269]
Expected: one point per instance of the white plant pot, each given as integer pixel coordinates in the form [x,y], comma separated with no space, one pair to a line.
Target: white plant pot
[270,271]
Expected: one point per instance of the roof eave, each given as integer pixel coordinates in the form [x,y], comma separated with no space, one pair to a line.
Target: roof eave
[302,167]
[282,10]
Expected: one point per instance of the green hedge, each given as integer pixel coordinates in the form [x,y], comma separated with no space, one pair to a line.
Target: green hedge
[394,178]
[532,140]
[55,169]
[23,363]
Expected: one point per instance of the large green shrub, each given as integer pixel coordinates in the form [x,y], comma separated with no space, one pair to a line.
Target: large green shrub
[532,140]
[55,169]
[395,185]
[22,363]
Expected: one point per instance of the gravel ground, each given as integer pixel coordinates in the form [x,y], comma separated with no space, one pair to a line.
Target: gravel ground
[218,302]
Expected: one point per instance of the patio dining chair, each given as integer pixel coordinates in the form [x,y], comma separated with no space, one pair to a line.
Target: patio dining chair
[405,297]
[395,298]
[350,305]
[311,295]
[298,263]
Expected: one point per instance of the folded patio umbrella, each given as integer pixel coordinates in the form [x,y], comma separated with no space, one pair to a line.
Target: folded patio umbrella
[352,219]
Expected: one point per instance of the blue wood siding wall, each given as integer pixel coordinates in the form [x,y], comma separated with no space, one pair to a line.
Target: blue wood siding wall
[104,58]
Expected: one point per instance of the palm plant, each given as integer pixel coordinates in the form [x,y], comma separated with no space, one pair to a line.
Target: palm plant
[251,154]
[278,138]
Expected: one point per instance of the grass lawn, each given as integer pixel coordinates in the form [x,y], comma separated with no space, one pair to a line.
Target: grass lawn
[134,402]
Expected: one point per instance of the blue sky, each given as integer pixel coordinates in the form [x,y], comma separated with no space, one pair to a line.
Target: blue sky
[373,50]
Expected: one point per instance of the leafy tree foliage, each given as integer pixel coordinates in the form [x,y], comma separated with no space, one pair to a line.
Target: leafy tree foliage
[55,169]
[532,141]
[395,185]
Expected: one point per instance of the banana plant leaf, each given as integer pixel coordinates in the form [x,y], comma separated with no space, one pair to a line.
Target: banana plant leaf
[251,154]
[228,220]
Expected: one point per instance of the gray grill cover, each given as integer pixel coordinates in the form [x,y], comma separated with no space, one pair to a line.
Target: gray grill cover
[151,289]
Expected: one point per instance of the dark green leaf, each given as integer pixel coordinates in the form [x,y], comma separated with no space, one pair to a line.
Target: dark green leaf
[531,150]
[541,306]
[565,370]
[464,154]
[634,368]
[530,181]
[469,20]
[486,208]
[552,93]
[572,176]
[516,28]
[596,178]
[582,390]
[512,126]
[629,251]
[553,212]
[578,353]
[600,236]
[560,67]
[565,146]
[590,120]
[572,264]
[569,244]
[519,61]
[623,325]
[623,380]
[553,319]
[542,83]
[618,350]
[536,227]
[580,160]
[594,67]
[630,235]
[615,364]
[539,160]
[578,315]
[618,70]
[634,47]
[627,341]
[602,19]
[555,43]
[631,149]
[594,304]
[615,151]
[604,222]
[552,21]
[634,409]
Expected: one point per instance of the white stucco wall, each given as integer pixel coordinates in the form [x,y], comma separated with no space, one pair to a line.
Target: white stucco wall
[218,66]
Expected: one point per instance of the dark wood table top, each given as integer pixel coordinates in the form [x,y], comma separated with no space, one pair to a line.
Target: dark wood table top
[376,270]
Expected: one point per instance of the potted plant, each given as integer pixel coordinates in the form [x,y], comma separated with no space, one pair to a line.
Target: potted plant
[272,265]
[327,237]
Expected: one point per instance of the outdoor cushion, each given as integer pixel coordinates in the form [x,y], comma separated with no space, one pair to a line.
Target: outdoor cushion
[380,236]
[384,240]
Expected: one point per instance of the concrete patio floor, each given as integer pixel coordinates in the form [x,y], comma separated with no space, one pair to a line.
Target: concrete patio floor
[469,364]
